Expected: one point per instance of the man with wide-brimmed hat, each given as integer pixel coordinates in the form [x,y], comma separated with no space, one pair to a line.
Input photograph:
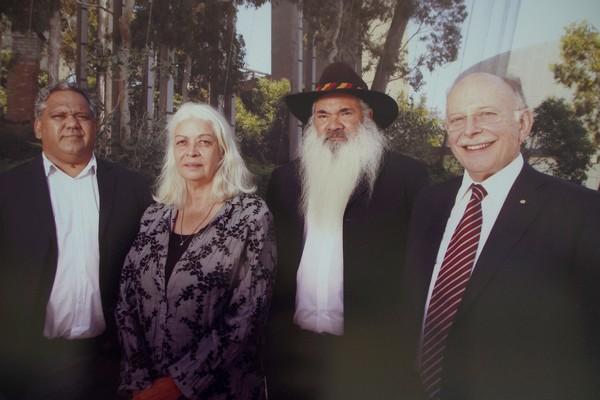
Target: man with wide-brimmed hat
[341,212]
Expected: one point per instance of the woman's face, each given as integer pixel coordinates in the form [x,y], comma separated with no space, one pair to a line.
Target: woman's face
[197,152]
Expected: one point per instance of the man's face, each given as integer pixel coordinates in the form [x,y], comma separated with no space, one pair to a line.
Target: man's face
[336,117]
[66,128]
[486,124]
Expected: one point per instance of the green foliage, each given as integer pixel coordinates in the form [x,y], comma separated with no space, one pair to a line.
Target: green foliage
[5,60]
[438,23]
[26,15]
[98,59]
[262,174]
[260,119]
[559,135]
[323,17]
[580,71]
[420,134]
[145,153]
[199,29]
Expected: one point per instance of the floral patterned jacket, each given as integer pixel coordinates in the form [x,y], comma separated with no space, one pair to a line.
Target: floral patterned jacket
[204,328]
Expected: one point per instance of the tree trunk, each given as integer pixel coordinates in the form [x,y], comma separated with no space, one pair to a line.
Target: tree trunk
[165,99]
[149,82]
[82,44]
[231,50]
[213,95]
[103,76]
[185,80]
[116,88]
[124,28]
[385,67]
[332,57]
[54,37]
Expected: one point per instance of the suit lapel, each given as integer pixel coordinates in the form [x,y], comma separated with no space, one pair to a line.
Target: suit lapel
[518,212]
[438,212]
[40,195]
[107,181]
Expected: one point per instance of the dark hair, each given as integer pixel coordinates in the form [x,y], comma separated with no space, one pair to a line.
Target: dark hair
[44,94]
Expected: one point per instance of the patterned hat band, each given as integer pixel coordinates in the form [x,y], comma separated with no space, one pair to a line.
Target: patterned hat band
[324,87]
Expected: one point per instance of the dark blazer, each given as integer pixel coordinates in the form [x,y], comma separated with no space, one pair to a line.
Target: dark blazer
[28,256]
[529,323]
[362,363]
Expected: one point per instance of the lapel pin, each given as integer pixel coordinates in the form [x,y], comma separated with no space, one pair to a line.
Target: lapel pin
[522,201]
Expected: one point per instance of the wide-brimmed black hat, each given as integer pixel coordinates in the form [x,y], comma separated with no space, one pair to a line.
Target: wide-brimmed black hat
[340,78]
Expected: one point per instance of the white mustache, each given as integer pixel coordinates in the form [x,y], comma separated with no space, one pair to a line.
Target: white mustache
[334,135]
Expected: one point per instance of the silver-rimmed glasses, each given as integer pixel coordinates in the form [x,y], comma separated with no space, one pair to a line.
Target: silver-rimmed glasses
[483,118]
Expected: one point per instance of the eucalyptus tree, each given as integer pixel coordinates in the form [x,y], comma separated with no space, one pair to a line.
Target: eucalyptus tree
[207,52]
[344,29]
[579,69]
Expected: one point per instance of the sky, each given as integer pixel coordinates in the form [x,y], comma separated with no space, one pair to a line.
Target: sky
[535,21]
[255,25]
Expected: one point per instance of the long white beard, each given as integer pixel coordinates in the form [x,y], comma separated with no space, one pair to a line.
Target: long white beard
[331,171]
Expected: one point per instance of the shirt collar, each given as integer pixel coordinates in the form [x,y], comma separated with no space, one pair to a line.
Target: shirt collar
[498,185]
[50,168]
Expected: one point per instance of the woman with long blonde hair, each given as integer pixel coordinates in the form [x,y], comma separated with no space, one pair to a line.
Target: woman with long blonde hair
[196,284]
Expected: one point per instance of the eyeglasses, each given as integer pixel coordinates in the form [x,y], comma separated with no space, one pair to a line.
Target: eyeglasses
[483,118]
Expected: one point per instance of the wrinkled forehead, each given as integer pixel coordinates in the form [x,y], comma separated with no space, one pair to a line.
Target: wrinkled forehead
[478,91]
[194,126]
[336,101]
[68,100]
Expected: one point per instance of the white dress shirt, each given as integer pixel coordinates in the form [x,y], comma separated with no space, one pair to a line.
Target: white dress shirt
[320,281]
[497,187]
[74,310]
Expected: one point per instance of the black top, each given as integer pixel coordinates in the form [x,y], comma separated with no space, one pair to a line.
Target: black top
[177,245]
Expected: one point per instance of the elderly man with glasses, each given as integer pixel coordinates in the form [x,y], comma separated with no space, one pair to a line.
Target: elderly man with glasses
[502,264]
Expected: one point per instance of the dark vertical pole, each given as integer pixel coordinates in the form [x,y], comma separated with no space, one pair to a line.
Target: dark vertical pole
[82,43]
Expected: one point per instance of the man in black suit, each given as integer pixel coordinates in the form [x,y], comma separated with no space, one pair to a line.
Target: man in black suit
[67,221]
[503,264]
[341,214]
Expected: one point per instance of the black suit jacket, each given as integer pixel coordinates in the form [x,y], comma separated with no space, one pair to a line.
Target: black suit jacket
[28,257]
[362,363]
[528,325]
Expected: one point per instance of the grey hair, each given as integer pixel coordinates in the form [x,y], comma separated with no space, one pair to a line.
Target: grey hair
[366,109]
[43,95]
[232,176]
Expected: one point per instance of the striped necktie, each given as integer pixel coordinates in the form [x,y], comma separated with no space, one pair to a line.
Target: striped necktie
[448,291]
